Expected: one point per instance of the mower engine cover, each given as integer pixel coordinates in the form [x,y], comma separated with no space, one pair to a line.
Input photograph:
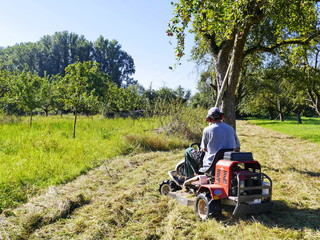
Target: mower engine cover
[238,156]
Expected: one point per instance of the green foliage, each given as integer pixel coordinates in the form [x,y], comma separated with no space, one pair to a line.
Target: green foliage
[113,61]
[24,89]
[124,99]
[229,31]
[76,87]
[205,95]
[84,89]
[222,20]
[287,84]
[304,62]
[53,53]
[5,77]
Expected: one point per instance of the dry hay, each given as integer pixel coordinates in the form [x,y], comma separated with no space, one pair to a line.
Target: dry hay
[91,206]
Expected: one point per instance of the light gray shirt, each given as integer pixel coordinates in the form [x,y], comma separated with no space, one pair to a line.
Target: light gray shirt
[215,137]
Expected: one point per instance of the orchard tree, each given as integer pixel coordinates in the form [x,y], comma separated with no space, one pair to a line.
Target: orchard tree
[4,86]
[231,30]
[24,91]
[124,99]
[76,86]
[268,93]
[306,61]
[204,97]
[48,94]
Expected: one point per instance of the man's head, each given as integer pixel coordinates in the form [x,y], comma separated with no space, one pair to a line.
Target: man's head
[214,114]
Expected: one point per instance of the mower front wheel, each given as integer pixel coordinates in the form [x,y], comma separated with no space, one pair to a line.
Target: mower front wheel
[165,187]
[207,208]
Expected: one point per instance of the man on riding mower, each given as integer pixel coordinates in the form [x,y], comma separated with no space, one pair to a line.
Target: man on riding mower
[218,135]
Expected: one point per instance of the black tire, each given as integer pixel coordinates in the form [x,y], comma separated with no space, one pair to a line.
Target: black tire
[165,187]
[174,186]
[207,208]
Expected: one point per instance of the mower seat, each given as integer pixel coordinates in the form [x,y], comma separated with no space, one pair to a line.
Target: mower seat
[219,155]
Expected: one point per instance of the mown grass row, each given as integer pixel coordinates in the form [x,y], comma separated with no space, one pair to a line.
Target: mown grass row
[47,154]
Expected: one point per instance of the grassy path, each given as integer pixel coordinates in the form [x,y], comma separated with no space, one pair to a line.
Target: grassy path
[119,200]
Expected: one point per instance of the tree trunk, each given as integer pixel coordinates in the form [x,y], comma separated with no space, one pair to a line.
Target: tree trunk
[280,110]
[315,100]
[317,105]
[281,117]
[75,124]
[270,112]
[228,103]
[299,118]
[30,123]
[228,107]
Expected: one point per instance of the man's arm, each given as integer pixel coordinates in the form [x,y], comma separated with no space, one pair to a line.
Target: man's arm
[237,142]
[204,142]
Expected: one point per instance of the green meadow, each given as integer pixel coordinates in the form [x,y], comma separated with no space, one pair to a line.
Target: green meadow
[120,200]
[308,130]
[46,154]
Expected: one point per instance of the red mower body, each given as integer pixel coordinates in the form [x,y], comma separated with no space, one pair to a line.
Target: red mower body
[224,174]
[235,180]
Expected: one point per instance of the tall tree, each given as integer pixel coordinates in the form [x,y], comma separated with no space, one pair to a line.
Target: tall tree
[53,53]
[231,30]
[62,49]
[118,64]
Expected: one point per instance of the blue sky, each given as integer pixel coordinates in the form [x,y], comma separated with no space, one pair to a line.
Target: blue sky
[138,25]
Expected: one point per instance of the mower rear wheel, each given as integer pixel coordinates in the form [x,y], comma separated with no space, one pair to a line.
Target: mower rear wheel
[207,208]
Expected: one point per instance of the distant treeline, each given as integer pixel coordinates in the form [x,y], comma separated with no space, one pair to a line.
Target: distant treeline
[65,73]
[84,89]
[52,54]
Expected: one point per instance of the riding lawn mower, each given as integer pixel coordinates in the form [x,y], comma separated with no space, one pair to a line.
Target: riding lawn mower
[234,179]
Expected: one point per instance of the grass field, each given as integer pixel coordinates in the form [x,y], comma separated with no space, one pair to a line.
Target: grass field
[309,130]
[46,154]
[119,199]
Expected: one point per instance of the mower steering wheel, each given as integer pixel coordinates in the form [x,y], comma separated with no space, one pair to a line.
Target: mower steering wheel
[195,144]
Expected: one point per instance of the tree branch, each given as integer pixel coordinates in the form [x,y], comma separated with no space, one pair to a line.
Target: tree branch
[211,39]
[271,48]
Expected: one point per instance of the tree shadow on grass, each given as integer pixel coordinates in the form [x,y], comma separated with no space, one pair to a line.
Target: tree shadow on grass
[293,169]
[284,216]
[311,174]
[292,218]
